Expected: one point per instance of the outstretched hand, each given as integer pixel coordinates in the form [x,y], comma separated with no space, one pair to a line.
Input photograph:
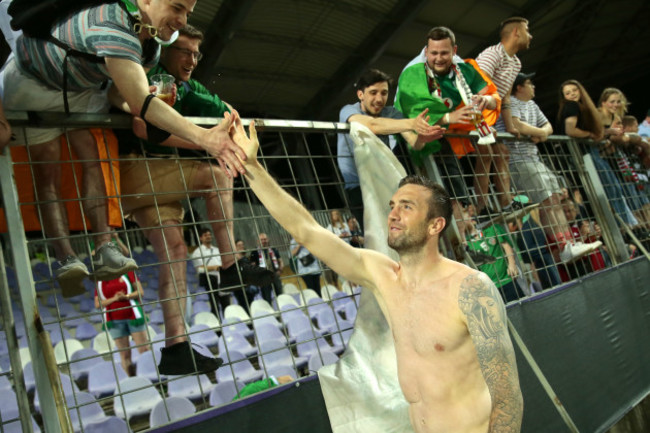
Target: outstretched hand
[248,143]
[220,145]
[434,132]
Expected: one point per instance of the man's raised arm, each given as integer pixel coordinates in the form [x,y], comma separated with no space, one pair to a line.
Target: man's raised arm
[486,320]
[352,263]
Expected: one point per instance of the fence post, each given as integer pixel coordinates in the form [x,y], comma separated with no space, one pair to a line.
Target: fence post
[599,203]
[25,281]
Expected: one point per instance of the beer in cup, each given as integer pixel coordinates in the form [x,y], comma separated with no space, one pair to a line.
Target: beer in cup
[164,84]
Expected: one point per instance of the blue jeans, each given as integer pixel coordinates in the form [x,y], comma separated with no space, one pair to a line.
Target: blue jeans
[533,246]
[612,187]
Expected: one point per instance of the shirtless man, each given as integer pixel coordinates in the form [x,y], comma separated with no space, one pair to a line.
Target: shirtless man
[456,363]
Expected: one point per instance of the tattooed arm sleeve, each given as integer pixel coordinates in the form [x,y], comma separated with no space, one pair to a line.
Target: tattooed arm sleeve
[486,318]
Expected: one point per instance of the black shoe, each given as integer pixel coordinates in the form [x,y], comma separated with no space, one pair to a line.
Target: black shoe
[177,360]
[252,275]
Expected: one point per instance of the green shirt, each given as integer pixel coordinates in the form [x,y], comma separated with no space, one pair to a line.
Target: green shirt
[489,242]
[413,96]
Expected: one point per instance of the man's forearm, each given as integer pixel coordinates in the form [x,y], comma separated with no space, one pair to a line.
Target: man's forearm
[286,210]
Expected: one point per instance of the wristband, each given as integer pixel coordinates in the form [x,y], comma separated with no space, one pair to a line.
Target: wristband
[445,119]
[155,134]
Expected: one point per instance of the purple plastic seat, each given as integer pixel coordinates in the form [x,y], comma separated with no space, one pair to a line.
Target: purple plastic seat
[308,345]
[232,324]
[82,361]
[111,424]
[170,409]
[192,387]
[137,396]
[267,331]
[202,334]
[274,353]
[238,368]
[84,409]
[319,360]
[340,300]
[298,323]
[85,331]
[265,318]
[350,311]
[200,307]
[224,392]
[103,378]
[156,317]
[236,342]
[147,366]
[331,323]
[315,306]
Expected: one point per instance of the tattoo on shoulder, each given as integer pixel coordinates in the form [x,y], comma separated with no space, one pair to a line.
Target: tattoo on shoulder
[479,300]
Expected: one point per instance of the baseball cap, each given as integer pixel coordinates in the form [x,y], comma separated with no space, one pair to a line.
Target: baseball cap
[521,78]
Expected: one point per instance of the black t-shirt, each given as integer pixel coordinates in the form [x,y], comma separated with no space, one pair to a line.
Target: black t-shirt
[571,109]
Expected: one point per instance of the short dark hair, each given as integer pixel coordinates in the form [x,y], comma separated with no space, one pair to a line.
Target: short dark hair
[505,27]
[629,120]
[191,32]
[203,230]
[373,76]
[440,33]
[440,203]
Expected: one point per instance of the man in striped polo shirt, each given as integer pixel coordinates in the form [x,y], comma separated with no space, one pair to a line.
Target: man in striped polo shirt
[531,177]
[501,64]
[125,35]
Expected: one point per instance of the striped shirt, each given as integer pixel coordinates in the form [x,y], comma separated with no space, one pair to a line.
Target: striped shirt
[528,112]
[500,66]
[103,30]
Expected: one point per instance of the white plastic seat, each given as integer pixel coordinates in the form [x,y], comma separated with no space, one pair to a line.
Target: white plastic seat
[236,311]
[206,318]
[64,350]
[289,288]
[103,343]
[328,291]
[285,299]
[306,295]
[260,307]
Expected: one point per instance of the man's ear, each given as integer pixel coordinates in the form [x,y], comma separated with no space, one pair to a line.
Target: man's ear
[437,225]
[360,95]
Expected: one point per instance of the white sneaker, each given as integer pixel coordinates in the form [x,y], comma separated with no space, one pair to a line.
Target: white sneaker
[109,263]
[573,252]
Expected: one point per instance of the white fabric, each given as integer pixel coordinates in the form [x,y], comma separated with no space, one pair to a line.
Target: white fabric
[361,391]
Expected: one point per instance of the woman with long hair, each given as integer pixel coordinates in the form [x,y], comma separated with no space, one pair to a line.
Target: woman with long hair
[613,106]
[578,117]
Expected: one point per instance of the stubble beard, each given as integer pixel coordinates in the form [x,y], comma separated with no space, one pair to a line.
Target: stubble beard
[409,242]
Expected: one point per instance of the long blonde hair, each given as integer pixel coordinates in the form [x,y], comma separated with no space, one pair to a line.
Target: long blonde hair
[613,91]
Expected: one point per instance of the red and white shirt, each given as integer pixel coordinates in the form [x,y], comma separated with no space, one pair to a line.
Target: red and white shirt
[118,310]
[501,67]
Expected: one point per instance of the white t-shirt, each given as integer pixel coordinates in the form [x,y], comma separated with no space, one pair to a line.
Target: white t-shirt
[203,257]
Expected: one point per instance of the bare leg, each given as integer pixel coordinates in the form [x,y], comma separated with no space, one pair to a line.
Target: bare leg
[552,216]
[482,170]
[501,158]
[93,189]
[141,340]
[219,202]
[169,246]
[122,344]
[47,179]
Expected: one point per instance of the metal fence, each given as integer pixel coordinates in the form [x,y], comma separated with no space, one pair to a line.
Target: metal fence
[75,377]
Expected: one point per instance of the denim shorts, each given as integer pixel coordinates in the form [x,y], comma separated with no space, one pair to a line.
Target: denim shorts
[122,328]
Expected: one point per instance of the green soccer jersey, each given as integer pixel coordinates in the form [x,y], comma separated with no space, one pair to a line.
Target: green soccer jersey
[489,242]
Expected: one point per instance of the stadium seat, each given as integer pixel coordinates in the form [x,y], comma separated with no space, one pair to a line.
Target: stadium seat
[192,387]
[319,360]
[240,367]
[224,392]
[137,396]
[170,409]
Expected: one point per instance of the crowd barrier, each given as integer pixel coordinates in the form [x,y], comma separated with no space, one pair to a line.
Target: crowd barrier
[51,377]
